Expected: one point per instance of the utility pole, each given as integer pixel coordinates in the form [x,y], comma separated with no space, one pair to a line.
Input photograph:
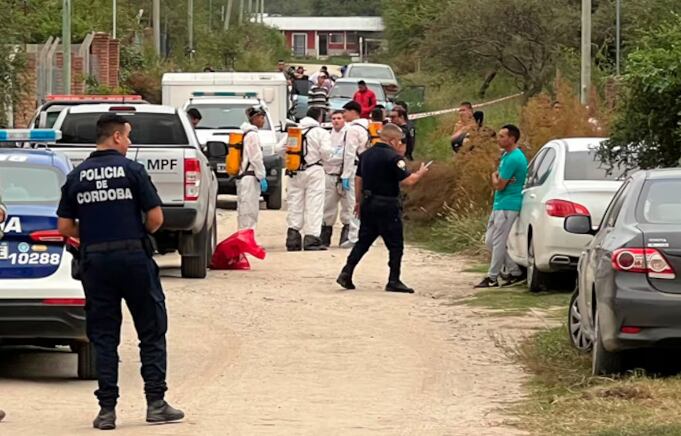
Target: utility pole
[228,13]
[66,44]
[250,8]
[262,11]
[241,11]
[156,12]
[618,34]
[586,51]
[114,20]
[190,26]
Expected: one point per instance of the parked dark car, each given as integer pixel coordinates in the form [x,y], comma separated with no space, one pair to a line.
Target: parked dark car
[629,289]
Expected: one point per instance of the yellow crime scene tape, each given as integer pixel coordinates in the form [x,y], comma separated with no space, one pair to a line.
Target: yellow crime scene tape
[456,109]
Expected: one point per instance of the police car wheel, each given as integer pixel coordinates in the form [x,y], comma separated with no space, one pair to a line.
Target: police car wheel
[195,267]
[87,367]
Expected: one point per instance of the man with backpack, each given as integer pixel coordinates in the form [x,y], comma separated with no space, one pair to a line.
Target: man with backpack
[307,186]
[251,181]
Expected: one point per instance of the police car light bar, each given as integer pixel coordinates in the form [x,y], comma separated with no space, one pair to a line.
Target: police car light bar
[29,135]
[86,98]
[224,94]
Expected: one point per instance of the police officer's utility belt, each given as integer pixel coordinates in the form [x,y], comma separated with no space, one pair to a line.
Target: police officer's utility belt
[247,173]
[381,200]
[125,245]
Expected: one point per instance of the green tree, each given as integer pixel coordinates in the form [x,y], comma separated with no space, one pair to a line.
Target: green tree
[647,127]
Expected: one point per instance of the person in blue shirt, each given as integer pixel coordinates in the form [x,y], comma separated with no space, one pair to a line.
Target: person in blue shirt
[110,203]
[508,182]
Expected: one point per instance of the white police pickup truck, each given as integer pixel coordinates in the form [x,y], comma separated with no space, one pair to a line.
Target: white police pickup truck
[164,141]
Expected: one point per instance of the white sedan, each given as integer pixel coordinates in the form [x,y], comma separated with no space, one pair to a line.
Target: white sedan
[564,178]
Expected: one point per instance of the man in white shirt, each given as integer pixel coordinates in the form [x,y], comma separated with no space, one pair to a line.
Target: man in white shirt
[306,187]
[335,194]
[251,181]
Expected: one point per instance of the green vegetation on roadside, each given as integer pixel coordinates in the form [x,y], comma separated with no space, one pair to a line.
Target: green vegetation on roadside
[518,301]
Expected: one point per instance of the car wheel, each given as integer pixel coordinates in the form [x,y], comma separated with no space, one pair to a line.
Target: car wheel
[87,365]
[195,267]
[580,340]
[536,280]
[273,200]
[604,362]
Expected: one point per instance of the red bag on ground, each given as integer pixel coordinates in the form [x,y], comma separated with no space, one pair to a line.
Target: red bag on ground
[231,253]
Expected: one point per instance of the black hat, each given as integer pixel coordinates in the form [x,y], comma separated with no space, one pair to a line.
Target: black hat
[255,110]
[353,106]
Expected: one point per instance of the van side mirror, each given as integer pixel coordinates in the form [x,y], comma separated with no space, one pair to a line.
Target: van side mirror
[579,225]
[216,150]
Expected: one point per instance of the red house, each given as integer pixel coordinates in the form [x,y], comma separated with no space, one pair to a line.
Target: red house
[321,37]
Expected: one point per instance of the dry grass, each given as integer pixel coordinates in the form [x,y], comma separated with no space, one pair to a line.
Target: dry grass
[567,400]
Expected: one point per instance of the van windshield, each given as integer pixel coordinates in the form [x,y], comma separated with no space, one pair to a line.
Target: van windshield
[222,116]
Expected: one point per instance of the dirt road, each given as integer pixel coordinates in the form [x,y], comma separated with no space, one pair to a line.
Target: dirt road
[281,350]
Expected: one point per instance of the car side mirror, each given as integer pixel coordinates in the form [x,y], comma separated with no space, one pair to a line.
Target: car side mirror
[216,149]
[579,225]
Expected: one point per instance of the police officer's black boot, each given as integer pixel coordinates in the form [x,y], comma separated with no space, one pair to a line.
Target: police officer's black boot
[345,235]
[294,241]
[345,278]
[105,420]
[395,284]
[327,232]
[313,243]
[160,411]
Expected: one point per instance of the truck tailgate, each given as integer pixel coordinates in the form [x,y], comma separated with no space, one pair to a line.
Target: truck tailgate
[165,165]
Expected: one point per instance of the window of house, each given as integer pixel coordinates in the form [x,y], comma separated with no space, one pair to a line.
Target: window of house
[336,38]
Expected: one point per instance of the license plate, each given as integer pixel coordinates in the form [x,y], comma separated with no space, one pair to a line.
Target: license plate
[221,168]
[4,251]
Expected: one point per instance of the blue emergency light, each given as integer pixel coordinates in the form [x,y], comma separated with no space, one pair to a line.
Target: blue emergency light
[224,94]
[29,135]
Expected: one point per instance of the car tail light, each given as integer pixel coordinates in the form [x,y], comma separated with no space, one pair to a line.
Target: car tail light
[643,260]
[192,179]
[53,236]
[630,330]
[64,302]
[564,208]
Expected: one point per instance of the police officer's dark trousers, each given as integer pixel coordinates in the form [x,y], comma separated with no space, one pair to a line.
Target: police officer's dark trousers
[380,216]
[108,278]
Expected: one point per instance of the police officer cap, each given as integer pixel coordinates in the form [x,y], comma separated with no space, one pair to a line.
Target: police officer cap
[255,110]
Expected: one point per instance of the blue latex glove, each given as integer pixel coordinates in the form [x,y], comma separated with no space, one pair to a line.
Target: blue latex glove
[264,185]
[346,184]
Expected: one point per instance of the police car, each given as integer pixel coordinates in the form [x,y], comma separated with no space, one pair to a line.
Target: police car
[40,303]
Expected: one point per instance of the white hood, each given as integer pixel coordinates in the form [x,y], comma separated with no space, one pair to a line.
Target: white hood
[308,122]
[247,127]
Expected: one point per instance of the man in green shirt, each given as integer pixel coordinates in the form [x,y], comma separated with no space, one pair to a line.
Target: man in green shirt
[508,182]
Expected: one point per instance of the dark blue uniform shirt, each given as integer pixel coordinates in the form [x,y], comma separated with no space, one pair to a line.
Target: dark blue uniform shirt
[108,194]
[382,169]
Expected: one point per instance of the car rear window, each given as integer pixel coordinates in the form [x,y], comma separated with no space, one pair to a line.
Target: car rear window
[366,72]
[585,165]
[147,129]
[20,184]
[660,202]
[348,89]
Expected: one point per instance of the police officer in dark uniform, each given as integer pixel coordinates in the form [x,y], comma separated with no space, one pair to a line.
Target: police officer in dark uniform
[110,203]
[381,170]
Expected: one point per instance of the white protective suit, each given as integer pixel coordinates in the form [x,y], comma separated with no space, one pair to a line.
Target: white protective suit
[305,196]
[248,184]
[356,143]
[334,168]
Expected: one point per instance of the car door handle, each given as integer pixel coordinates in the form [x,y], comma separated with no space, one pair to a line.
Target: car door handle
[533,196]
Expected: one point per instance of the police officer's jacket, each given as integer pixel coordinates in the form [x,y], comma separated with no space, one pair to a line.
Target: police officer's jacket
[108,195]
[382,169]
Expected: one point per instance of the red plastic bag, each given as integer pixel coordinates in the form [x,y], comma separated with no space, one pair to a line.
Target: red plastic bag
[231,253]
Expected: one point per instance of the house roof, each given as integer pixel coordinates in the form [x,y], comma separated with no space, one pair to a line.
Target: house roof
[350,24]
